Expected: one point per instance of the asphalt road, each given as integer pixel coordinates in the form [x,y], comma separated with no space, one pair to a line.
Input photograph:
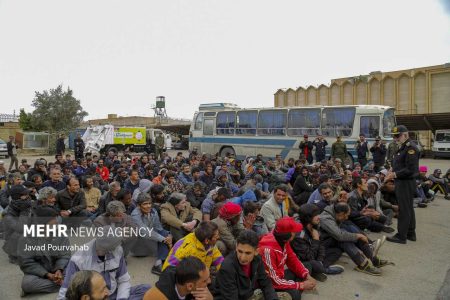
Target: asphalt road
[421,271]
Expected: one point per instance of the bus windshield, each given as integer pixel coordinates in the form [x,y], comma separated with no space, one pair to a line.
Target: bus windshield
[388,122]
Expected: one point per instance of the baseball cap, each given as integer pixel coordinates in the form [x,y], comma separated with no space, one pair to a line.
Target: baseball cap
[399,129]
[437,171]
[287,225]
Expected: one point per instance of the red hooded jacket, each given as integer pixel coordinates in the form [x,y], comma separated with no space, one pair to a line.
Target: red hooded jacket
[274,258]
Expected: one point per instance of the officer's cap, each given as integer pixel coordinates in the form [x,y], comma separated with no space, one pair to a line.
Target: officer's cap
[399,129]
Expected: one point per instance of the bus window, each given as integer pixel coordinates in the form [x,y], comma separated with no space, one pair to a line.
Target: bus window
[272,122]
[388,122]
[304,121]
[225,122]
[208,127]
[369,126]
[246,122]
[198,122]
[338,121]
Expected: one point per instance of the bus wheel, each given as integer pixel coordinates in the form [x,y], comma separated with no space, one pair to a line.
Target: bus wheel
[227,150]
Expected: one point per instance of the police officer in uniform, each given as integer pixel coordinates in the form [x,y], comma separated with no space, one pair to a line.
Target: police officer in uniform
[405,171]
[320,145]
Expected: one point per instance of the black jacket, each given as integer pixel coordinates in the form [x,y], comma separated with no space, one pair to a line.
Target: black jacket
[10,147]
[306,248]
[75,204]
[166,284]
[302,189]
[379,154]
[406,162]
[103,203]
[232,283]
[41,262]
[60,146]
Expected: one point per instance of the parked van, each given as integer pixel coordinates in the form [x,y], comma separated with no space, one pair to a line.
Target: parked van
[441,145]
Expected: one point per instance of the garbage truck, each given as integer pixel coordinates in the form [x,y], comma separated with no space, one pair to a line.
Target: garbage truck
[105,138]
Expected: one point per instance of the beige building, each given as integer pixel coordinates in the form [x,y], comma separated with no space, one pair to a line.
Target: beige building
[421,96]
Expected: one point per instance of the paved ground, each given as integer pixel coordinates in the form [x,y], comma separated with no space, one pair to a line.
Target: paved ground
[422,269]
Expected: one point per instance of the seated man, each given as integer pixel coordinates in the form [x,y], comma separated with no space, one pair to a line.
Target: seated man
[72,203]
[114,189]
[439,184]
[302,187]
[242,271]
[356,245]
[252,220]
[188,280]
[363,215]
[116,216]
[276,253]
[201,244]
[311,250]
[17,214]
[326,195]
[43,268]
[178,216]
[215,197]
[374,199]
[185,176]
[229,227]
[146,217]
[278,206]
[196,194]
[55,180]
[87,284]
[92,195]
[424,185]
[104,255]
[124,196]
[315,197]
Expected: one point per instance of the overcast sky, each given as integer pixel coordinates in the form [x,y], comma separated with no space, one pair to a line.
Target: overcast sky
[118,56]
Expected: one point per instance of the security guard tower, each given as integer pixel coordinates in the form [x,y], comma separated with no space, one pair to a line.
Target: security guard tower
[160,107]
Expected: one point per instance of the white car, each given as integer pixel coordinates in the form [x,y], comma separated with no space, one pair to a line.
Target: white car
[3,148]
[441,145]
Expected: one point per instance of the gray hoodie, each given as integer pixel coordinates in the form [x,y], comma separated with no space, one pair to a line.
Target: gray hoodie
[329,225]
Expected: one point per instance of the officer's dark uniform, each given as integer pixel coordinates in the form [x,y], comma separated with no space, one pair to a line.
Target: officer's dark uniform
[406,168]
[320,149]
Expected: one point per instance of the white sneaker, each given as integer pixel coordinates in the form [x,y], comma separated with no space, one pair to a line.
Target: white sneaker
[377,245]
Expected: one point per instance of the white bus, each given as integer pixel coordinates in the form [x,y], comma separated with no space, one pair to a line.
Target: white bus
[225,128]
